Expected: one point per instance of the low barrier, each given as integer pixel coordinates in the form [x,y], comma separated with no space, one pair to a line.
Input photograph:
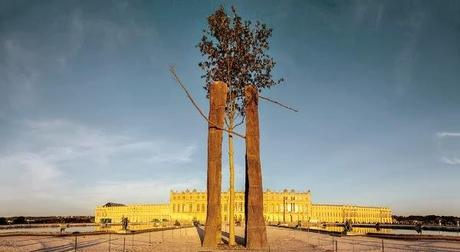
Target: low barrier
[414,237]
[104,241]
[331,241]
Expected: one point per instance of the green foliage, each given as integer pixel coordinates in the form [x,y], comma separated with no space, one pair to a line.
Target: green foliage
[3,221]
[19,220]
[427,219]
[124,223]
[105,220]
[235,52]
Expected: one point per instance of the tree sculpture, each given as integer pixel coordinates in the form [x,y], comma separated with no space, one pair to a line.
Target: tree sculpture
[217,96]
[235,52]
[255,231]
[124,223]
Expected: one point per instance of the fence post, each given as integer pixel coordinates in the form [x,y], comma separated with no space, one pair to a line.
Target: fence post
[333,244]
[162,236]
[336,248]
[308,237]
[353,248]
[383,246]
[75,246]
[150,237]
[110,239]
[132,242]
[124,243]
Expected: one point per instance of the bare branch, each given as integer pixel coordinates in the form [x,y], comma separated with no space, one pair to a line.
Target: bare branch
[278,103]
[173,72]
[226,122]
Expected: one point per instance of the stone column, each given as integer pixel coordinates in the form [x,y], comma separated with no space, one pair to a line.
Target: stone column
[217,99]
[255,230]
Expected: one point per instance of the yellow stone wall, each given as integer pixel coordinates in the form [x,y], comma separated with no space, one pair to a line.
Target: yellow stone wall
[140,213]
[283,206]
[191,205]
[357,214]
[287,206]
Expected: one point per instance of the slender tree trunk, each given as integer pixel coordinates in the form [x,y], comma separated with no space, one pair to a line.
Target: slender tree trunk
[256,234]
[217,99]
[231,161]
[231,205]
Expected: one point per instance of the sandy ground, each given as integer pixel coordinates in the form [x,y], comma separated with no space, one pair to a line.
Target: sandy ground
[188,239]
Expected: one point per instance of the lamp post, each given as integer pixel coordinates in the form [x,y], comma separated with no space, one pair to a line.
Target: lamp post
[458,227]
[284,209]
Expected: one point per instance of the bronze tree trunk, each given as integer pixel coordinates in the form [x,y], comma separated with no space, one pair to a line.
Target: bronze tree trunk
[217,100]
[255,230]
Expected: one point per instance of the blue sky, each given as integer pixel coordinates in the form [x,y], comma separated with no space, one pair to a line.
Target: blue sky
[89,112]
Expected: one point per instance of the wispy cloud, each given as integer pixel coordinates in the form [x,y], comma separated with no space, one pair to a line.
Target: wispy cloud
[404,63]
[448,134]
[449,147]
[28,62]
[450,161]
[53,160]
[134,191]
[378,17]
[65,140]
[28,169]
[18,73]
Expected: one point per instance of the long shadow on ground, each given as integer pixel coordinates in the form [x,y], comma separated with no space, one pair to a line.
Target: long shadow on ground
[69,246]
[225,235]
[200,230]
[238,239]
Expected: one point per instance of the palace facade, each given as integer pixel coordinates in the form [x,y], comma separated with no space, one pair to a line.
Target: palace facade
[287,206]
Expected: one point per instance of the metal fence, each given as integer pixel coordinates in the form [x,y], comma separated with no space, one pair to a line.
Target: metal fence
[135,241]
[187,239]
[324,242]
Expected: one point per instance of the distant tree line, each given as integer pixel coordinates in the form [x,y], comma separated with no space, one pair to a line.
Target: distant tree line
[45,220]
[427,219]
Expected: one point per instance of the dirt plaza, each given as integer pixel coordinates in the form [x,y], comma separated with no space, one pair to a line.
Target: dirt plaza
[189,239]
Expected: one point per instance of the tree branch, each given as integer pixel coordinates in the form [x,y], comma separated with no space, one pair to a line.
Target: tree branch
[174,74]
[277,103]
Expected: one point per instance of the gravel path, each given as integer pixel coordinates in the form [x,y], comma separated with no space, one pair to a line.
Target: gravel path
[188,239]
